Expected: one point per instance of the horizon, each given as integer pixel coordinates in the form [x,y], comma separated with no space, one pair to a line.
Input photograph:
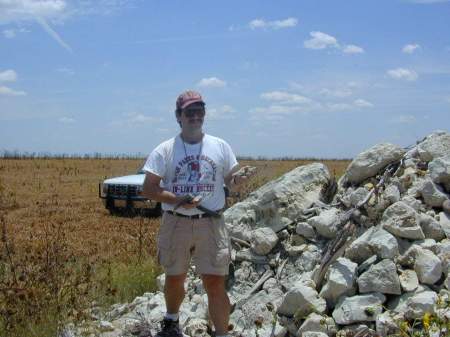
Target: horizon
[315,79]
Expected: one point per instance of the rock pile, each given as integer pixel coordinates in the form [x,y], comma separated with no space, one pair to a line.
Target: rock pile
[314,259]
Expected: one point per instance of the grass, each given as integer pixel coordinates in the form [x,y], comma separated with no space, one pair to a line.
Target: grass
[61,250]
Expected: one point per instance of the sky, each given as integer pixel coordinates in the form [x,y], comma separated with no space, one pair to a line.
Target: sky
[311,78]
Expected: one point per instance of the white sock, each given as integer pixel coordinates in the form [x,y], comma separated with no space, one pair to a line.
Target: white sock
[173,317]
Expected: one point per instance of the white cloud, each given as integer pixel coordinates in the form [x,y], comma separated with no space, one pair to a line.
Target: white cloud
[66,120]
[277,24]
[8,76]
[362,103]
[352,49]
[320,41]
[340,93]
[285,97]
[9,33]
[410,48]
[211,82]
[5,91]
[223,112]
[403,119]
[403,74]
[14,11]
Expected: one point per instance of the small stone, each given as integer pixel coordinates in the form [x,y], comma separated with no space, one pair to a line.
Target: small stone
[263,240]
[363,308]
[446,206]
[381,277]
[419,304]
[301,301]
[401,220]
[305,229]
[427,266]
[408,280]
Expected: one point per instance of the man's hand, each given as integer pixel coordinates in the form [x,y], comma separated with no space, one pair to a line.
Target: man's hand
[188,201]
[243,175]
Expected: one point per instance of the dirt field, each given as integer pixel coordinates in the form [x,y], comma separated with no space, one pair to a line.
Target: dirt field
[60,248]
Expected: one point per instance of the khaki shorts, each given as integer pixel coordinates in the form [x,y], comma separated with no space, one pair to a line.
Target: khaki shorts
[205,240]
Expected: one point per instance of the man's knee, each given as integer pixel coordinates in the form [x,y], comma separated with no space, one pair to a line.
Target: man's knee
[214,284]
[175,281]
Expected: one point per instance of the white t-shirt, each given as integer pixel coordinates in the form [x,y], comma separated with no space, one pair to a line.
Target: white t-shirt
[197,169]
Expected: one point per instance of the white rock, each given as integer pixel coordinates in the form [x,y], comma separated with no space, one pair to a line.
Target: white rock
[432,194]
[408,280]
[374,241]
[358,196]
[314,334]
[386,324]
[363,308]
[401,220]
[439,170]
[427,266]
[444,221]
[420,303]
[325,223]
[305,229]
[381,277]
[301,301]
[341,278]
[105,326]
[263,240]
[435,145]
[197,327]
[318,323]
[392,194]
[431,228]
[368,163]
[284,197]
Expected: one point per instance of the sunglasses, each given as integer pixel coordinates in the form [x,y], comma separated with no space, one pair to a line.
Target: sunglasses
[199,112]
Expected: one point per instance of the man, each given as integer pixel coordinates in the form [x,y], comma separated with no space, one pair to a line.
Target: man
[198,165]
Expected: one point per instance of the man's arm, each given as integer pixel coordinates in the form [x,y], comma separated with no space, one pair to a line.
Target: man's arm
[152,190]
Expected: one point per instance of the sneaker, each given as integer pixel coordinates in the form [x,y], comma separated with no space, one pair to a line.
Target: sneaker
[170,328]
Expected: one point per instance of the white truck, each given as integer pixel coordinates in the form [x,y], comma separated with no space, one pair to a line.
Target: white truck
[124,195]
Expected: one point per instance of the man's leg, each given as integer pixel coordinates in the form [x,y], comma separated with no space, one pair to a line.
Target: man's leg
[218,302]
[174,292]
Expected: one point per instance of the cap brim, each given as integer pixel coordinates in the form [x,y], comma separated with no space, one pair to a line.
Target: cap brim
[192,101]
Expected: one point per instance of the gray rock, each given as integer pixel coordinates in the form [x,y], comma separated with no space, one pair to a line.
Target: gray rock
[341,278]
[325,223]
[196,327]
[419,304]
[314,334]
[433,194]
[398,304]
[427,266]
[317,323]
[381,277]
[401,220]
[284,197]
[263,240]
[248,255]
[368,163]
[374,241]
[408,280]
[434,146]
[357,196]
[444,221]
[392,194]
[306,230]
[431,228]
[367,263]
[446,206]
[301,301]
[363,308]
[439,170]
[386,324]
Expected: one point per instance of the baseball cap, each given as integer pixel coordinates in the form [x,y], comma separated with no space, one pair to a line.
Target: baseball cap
[187,98]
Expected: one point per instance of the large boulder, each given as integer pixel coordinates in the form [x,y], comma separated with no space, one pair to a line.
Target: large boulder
[435,145]
[402,220]
[371,161]
[279,202]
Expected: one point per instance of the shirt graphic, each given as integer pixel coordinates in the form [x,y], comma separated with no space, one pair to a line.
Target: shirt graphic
[194,174]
